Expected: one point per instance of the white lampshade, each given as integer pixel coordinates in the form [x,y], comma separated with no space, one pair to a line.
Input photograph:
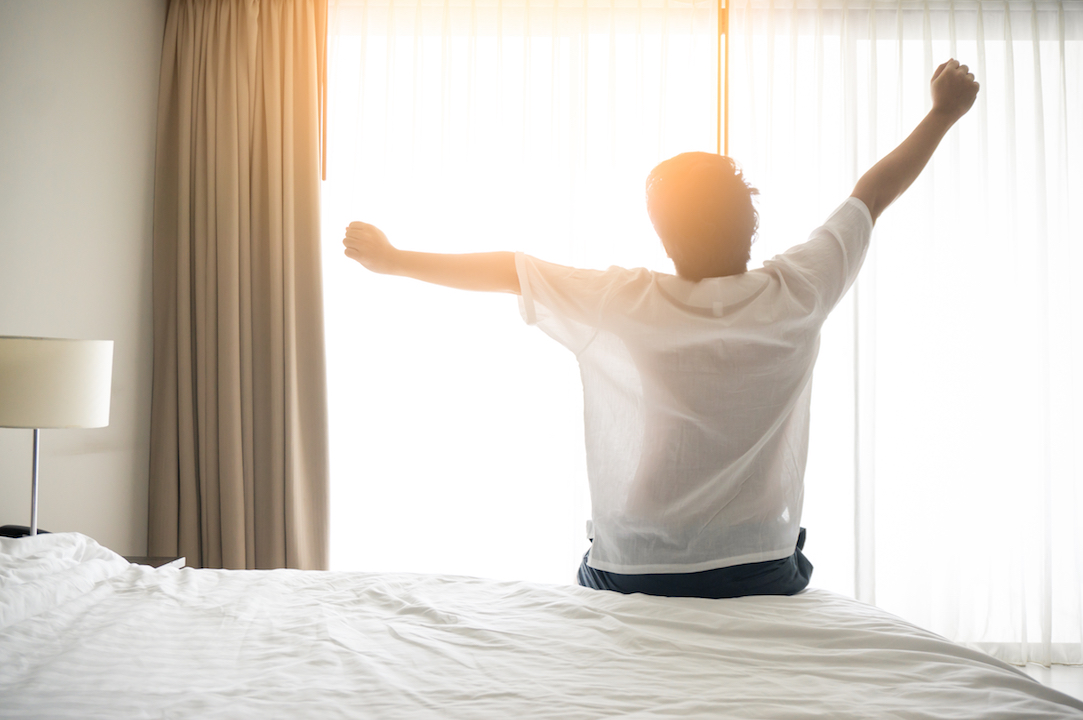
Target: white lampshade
[55,383]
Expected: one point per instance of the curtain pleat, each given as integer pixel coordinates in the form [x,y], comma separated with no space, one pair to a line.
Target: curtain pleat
[239,433]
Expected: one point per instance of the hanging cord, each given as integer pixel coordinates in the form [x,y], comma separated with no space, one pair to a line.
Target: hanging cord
[722,125]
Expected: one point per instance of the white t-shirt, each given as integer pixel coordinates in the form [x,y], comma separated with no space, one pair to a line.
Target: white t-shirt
[696,397]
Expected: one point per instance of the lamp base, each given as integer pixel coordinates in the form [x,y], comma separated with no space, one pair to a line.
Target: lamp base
[15,531]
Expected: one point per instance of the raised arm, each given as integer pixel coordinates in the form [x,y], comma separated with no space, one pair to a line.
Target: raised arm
[954,90]
[487,272]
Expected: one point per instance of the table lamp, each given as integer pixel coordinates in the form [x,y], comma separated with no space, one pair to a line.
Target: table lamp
[53,383]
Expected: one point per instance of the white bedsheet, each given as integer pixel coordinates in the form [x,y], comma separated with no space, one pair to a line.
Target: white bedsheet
[84,634]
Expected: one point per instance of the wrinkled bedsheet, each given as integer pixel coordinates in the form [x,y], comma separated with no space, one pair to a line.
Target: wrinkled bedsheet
[84,634]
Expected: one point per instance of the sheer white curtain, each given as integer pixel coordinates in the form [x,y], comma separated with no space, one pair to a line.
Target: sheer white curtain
[943,477]
[471,125]
[944,472]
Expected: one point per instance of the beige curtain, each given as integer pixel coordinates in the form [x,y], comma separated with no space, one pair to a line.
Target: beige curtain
[238,473]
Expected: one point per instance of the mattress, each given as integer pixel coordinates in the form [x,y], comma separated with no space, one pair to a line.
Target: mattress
[84,634]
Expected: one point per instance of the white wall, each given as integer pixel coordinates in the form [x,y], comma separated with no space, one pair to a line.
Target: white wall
[78,106]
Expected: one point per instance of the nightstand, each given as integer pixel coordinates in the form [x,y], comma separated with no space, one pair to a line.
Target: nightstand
[157,562]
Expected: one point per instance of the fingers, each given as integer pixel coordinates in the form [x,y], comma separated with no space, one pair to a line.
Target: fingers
[359,228]
[954,69]
[357,253]
[367,245]
[359,232]
[962,69]
[952,65]
[969,76]
[954,88]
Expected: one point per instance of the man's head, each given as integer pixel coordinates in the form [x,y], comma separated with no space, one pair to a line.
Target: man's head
[701,208]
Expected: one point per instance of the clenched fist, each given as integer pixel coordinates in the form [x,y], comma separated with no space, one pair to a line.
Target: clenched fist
[369,246]
[954,89]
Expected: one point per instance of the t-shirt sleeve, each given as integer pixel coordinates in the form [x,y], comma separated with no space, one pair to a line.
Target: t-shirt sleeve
[569,304]
[824,267]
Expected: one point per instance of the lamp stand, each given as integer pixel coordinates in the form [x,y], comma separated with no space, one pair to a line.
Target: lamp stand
[34,486]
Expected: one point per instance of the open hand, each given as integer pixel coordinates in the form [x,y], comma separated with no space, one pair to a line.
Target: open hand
[369,246]
[954,89]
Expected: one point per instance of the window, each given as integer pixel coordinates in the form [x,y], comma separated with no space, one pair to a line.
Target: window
[943,473]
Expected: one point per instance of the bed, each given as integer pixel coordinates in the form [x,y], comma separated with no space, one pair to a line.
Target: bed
[85,634]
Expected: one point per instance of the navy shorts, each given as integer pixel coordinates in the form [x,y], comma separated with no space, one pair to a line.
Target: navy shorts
[787,576]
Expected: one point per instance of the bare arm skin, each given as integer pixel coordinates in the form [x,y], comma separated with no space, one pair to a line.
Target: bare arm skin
[954,90]
[486,272]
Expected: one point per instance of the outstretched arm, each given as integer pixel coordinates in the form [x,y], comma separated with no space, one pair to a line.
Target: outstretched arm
[954,90]
[489,272]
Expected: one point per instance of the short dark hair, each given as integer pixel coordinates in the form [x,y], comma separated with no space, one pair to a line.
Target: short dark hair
[701,208]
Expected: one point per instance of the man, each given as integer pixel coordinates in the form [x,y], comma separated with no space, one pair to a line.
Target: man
[697,386]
